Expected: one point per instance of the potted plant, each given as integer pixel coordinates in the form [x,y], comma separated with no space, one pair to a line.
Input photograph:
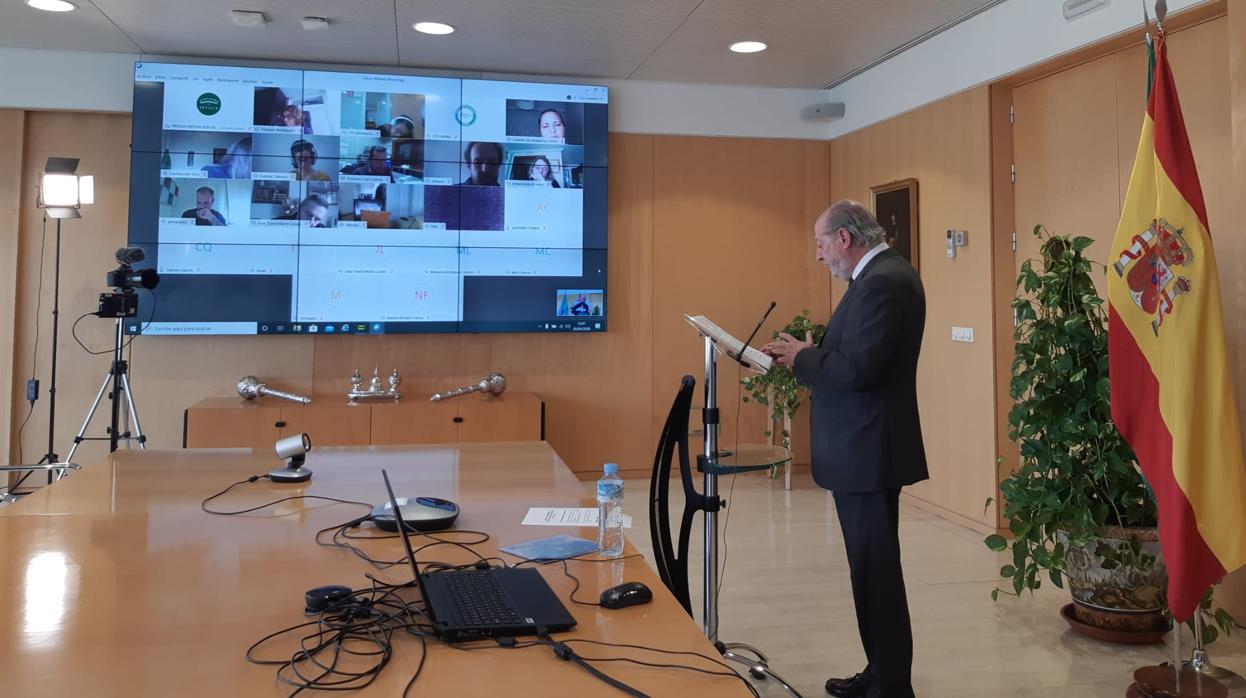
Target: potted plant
[1078,506]
[777,389]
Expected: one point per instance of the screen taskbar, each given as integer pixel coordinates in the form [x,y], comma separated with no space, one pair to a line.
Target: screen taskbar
[559,324]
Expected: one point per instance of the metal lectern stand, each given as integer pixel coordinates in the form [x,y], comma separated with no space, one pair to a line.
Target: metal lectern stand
[713,463]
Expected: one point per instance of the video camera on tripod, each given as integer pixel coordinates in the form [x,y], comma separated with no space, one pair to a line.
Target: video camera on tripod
[119,304]
[122,302]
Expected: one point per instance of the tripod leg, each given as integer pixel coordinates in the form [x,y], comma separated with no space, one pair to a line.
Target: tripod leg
[90,415]
[129,401]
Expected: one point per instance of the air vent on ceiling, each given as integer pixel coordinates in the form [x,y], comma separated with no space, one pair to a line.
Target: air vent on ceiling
[1077,8]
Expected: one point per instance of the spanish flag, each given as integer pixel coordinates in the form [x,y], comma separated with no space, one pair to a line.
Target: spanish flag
[1172,388]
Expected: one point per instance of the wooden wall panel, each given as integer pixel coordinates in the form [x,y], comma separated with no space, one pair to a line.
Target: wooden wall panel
[427,363]
[100,142]
[946,147]
[1068,165]
[1231,250]
[725,244]
[168,374]
[12,127]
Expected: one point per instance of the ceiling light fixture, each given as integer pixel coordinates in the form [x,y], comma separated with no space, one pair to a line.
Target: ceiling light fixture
[248,18]
[52,5]
[434,28]
[312,24]
[748,47]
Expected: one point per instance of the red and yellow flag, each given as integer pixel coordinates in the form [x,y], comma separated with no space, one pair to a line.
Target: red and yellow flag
[1172,388]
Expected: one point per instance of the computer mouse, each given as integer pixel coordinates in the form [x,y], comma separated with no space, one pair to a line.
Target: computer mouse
[321,598]
[626,594]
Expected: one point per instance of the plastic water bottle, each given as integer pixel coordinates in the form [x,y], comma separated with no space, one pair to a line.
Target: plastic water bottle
[610,512]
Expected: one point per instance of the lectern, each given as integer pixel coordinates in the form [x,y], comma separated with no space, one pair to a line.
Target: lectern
[710,463]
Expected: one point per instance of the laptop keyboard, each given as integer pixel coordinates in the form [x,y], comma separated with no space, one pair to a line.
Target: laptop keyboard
[479,599]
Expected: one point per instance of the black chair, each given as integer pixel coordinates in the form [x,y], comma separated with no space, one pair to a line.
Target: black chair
[672,556]
[672,562]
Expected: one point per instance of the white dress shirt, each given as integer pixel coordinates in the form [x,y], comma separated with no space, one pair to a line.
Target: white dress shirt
[877,249]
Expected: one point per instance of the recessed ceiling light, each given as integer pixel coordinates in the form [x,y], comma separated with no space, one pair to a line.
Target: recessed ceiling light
[52,5]
[747,46]
[436,28]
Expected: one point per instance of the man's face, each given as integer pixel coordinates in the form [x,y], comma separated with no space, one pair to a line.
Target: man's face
[831,248]
[376,162]
[483,164]
[315,215]
[204,200]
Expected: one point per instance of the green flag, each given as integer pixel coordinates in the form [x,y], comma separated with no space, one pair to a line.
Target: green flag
[1150,65]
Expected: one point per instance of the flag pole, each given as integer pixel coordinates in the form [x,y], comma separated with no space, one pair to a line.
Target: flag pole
[1178,662]
[1175,679]
[1200,660]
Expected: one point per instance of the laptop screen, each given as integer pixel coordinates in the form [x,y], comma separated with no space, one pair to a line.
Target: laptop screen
[402,526]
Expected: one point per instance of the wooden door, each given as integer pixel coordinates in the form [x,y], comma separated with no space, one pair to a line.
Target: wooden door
[1065,142]
[1076,137]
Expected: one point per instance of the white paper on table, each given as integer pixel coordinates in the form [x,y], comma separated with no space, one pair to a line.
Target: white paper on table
[566,516]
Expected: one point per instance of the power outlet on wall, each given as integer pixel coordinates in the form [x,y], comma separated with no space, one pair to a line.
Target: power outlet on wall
[962,334]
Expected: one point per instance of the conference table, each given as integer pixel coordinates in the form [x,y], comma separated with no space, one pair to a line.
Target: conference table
[114,582]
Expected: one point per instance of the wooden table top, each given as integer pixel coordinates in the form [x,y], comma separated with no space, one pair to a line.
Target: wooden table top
[113,582]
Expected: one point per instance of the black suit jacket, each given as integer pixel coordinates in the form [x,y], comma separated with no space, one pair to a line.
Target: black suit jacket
[865,431]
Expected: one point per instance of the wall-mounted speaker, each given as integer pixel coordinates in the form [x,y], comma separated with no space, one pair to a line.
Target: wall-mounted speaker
[826,111]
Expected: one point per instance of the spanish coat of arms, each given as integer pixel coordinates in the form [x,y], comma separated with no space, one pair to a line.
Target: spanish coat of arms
[1150,266]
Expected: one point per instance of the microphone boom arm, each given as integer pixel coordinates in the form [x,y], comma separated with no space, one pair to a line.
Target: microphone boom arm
[740,356]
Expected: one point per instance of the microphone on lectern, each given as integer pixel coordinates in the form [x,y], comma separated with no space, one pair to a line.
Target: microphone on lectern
[740,357]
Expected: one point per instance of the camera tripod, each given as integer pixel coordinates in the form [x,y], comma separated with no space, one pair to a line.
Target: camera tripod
[118,376]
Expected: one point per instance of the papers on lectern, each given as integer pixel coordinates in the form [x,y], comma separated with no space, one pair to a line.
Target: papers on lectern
[753,358]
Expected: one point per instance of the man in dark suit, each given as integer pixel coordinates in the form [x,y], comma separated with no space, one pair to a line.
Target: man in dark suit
[866,436]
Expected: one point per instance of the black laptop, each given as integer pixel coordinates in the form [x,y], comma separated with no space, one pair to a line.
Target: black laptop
[475,604]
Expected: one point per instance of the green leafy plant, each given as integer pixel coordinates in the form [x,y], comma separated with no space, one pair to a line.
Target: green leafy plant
[1077,474]
[1215,620]
[780,382]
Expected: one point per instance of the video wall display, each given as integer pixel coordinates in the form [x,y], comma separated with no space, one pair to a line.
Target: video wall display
[288,201]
